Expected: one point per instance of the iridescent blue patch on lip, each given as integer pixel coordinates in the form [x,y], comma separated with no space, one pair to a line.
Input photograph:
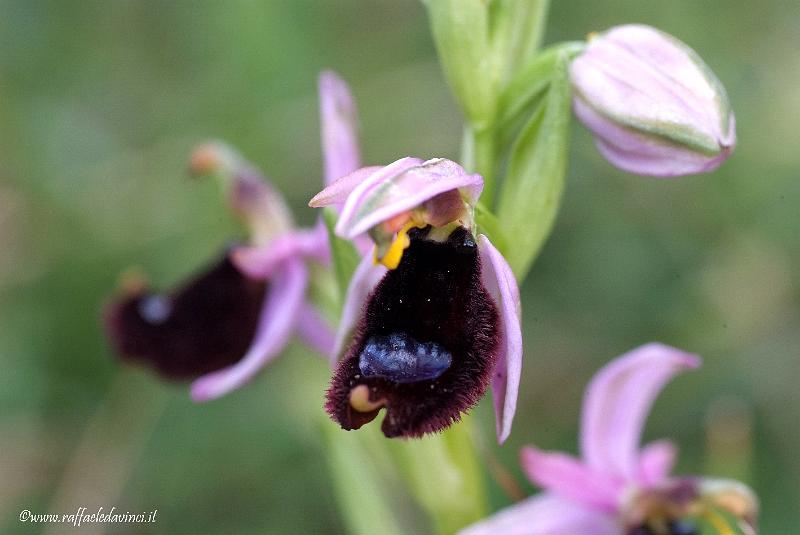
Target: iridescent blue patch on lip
[155,309]
[401,359]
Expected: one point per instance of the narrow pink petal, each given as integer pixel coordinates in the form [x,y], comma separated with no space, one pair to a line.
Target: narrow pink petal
[314,330]
[546,514]
[259,262]
[656,461]
[338,190]
[399,187]
[338,125]
[617,402]
[276,325]
[499,281]
[366,276]
[566,476]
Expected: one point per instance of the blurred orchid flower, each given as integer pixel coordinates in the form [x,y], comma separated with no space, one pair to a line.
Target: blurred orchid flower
[433,315]
[654,106]
[222,327]
[618,488]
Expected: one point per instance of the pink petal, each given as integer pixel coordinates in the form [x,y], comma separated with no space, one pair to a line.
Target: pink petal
[258,262]
[314,330]
[338,124]
[568,477]
[617,402]
[276,325]
[639,71]
[499,281]
[546,514]
[366,276]
[399,187]
[656,461]
[339,189]
[636,153]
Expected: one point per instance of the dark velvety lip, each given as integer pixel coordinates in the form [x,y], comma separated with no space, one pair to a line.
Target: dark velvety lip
[435,296]
[204,325]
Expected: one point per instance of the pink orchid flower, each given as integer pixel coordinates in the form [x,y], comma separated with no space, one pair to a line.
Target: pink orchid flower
[432,316]
[618,488]
[222,327]
[654,107]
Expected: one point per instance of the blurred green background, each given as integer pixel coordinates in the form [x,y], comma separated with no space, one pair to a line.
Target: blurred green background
[100,104]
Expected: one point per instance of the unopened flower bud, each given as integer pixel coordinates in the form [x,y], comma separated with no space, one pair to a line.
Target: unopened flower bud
[654,106]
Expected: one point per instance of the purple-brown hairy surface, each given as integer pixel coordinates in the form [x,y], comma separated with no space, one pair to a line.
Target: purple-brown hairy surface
[205,325]
[434,295]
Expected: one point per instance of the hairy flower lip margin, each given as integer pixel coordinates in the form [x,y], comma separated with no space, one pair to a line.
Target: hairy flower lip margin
[433,299]
[654,106]
[372,196]
[592,495]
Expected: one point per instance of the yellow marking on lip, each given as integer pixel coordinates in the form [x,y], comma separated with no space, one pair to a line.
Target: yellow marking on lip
[359,400]
[400,243]
[719,523]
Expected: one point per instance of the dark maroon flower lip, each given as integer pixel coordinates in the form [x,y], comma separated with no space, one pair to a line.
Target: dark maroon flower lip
[426,343]
[204,325]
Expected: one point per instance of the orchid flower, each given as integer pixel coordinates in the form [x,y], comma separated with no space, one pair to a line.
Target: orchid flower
[432,316]
[618,488]
[654,106]
[222,327]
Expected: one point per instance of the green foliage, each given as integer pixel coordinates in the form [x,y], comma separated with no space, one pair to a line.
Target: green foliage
[534,181]
[461,33]
[517,28]
[344,255]
[362,495]
[528,85]
[489,224]
[444,476]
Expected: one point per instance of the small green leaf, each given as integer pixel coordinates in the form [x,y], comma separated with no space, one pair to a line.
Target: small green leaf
[344,255]
[528,86]
[461,33]
[534,181]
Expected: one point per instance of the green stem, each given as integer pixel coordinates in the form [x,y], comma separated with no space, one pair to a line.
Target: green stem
[479,156]
[445,477]
[361,490]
